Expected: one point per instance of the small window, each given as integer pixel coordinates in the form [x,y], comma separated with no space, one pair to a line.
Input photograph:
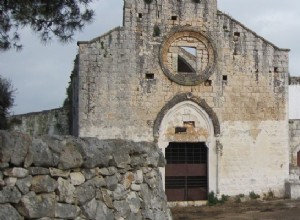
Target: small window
[149,76]
[180,130]
[237,34]
[208,83]
[276,69]
[224,77]
[140,15]
[174,18]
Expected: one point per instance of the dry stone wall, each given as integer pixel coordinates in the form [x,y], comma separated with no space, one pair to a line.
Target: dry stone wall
[67,178]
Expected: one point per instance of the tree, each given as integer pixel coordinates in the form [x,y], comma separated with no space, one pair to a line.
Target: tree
[68,102]
[6,100]
[48,18]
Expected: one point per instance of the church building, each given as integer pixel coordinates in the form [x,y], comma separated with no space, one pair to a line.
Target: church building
[208,90]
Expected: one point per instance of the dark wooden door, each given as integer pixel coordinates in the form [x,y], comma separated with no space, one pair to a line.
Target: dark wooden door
[186,171]
[298,159]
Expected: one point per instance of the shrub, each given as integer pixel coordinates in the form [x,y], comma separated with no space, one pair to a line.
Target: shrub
[269,195]
[238,198]
[213,200]
[252,195]
[224,199]
[6,101]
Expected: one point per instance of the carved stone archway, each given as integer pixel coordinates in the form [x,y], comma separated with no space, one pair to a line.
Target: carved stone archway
[181,98]
[201,123]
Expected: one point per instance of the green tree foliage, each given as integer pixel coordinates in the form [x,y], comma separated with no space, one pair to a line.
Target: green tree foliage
[68,102]
[6,101]
[48,18]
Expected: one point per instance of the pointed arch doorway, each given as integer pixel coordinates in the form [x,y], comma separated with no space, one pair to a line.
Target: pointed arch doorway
[186,136]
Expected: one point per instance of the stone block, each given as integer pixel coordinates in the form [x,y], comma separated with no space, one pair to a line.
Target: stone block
[10,194]
[134,202]
[38,171]
[10,181]
[8,212]
[95,210]
[43,184]
[66,211]
[14,147]
[16,172]
[59,173]
[77,178]
[66,191]
[70,157]
[37,206]
[85,193]
[41,154]
[111,182]
[128,178]
[119,193]
[108,171]
[122,208]
[24,184]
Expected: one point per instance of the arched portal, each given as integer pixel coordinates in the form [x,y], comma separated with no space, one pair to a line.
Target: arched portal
[186,137]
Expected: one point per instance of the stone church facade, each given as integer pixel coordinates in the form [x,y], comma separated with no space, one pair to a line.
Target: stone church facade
[210,92]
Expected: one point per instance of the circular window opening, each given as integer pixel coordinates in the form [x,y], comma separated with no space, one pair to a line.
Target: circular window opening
[187,58]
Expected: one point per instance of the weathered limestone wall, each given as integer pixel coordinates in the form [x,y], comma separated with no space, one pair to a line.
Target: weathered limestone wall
[66,178]
[293,185]
[244,84]
[51,122]
[294,94]
[116,100]
[253,158]
[294,140]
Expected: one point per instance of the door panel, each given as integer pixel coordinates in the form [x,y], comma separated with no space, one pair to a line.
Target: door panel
[186,171]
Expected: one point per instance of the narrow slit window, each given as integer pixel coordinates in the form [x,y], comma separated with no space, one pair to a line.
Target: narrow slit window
[179,130]
[237,34]
[149,76]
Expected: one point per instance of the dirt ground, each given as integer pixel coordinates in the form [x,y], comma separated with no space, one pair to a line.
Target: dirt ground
[251,210]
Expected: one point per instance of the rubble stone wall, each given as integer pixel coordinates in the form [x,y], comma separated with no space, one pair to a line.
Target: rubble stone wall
[50,122]
[67,178]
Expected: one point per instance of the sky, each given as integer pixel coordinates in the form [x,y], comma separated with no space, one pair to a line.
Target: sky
[40,73]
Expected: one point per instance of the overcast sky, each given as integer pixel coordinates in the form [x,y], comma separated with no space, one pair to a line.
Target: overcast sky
[41,73]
